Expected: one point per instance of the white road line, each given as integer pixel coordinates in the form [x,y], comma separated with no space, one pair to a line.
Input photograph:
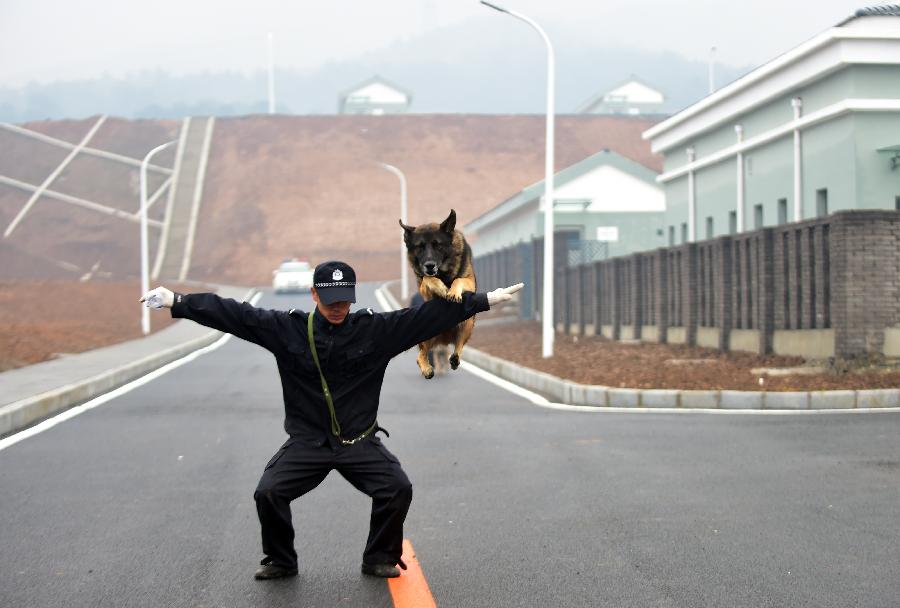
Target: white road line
[126,388]
[382,301]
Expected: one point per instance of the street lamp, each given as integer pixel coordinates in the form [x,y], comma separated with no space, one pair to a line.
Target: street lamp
[271,71]
[145,278]
[404,278]
[547,308]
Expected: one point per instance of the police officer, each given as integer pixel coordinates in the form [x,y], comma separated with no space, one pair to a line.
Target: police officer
[332,365]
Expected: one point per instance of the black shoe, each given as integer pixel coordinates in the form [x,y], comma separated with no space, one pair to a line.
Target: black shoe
[268,570]
[381,570]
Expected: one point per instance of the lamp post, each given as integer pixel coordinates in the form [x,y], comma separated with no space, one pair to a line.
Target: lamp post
[271,72]
[404,278]
[547,307]
[145,276]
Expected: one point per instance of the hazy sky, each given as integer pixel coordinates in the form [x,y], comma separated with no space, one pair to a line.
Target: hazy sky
[42,40]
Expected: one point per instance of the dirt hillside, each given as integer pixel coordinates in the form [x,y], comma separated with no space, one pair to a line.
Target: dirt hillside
[57,240]
[283,186]
[41,320]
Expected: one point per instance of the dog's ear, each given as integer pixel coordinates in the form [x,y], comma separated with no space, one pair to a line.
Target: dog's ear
[449,224]
[407,232]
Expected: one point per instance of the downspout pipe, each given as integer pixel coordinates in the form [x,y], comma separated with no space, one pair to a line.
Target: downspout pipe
[797,104]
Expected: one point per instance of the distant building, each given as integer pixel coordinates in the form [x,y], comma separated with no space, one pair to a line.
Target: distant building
[612,204]
[375,96]
[632,97]
[813,131]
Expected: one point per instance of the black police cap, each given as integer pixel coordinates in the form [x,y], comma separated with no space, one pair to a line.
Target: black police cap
[335,282]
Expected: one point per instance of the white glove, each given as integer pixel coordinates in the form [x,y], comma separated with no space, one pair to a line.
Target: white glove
[158,298]
[504,294]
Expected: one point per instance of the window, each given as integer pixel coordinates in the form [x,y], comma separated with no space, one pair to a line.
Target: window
[757,216]
[782,211]
[684,234]
[710,233]
[822,202]
[671,236]
[732,222]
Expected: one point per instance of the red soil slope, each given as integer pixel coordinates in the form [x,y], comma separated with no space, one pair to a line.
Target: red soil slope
[309,186]
[287,185]
[40,320]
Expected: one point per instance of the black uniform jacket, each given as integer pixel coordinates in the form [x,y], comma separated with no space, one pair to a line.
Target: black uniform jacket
[353,355]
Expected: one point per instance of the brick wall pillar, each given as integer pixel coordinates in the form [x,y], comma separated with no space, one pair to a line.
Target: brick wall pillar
[690,292]
[723,289]
[636,292]
[615,298]
[659,284]
[585,290]
[822,314]
[573,297]
[765,310]
[537,268]
[599,294]
[560,296]
[864,271]
[526,296]
[806,247]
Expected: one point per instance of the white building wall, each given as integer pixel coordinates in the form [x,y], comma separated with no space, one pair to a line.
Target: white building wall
[610,189]
[522,225]
[634,92]
[377,93]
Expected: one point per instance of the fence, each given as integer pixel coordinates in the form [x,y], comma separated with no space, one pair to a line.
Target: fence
[828,287]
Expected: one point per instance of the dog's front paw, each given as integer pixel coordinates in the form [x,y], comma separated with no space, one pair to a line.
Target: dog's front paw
[435,287]
[455,295]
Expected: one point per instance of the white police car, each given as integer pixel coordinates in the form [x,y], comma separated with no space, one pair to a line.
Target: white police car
[291,276]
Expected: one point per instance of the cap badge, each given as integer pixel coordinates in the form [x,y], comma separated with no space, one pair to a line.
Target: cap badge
[337,275]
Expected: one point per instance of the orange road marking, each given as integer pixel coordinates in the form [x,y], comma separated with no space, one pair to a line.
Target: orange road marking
[410,589]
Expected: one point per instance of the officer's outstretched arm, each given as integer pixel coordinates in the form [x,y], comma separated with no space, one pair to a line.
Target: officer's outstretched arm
[240,319]
[406,327]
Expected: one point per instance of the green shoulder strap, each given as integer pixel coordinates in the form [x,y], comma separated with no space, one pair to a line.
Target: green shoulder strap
[335,425]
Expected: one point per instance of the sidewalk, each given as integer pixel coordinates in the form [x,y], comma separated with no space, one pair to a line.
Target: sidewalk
[33,393]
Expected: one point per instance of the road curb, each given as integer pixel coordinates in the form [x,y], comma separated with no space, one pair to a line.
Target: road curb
[572,393]
[24,413]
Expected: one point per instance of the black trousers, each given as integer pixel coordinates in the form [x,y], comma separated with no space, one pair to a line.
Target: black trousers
[297,468]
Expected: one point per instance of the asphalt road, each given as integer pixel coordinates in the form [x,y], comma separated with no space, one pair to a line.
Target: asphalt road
[147,501]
